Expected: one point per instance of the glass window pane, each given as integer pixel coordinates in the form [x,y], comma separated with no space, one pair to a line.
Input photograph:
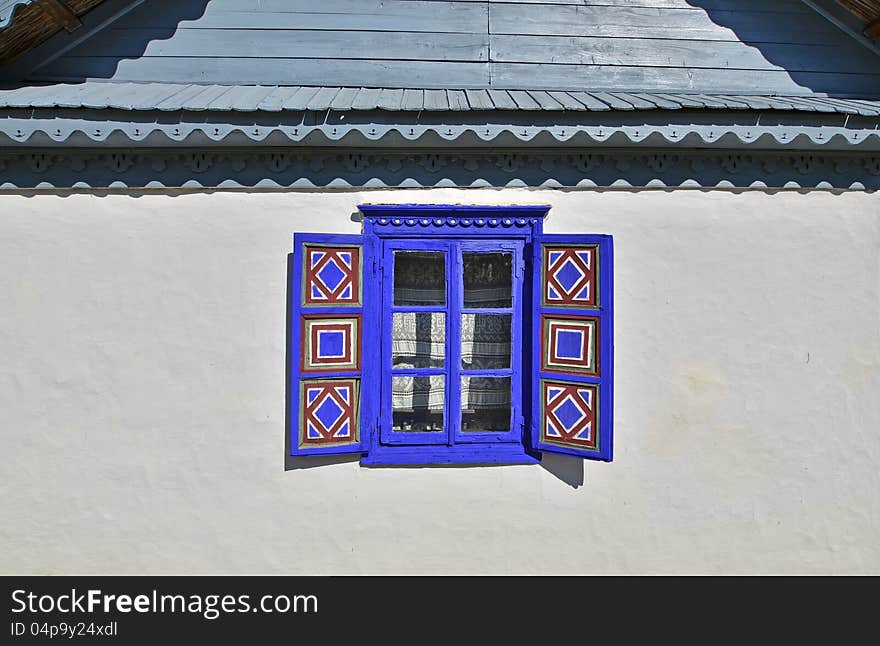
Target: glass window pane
[485,404]
[485,341]
[417,403]
[418,339]
[419,278]
[488,279]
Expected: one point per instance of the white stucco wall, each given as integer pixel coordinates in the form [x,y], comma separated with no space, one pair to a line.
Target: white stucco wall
[142,343]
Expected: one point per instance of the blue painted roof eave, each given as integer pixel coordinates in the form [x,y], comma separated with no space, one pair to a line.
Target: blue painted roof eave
[173,97]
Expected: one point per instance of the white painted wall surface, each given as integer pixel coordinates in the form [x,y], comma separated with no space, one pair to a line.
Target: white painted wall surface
[142,343]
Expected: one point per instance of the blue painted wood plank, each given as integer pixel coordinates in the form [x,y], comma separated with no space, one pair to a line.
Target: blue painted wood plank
[274,101]
[729,102]
[752,102]
[512,453]
[23,97]
[590,101]
[390,100]
[94,96]
[72,95]
[413,99]
[479,100]
[366,99]
[811,105]
[523,100]
[322,98]
[676,80]
[845,107]
[544,100]
[660,101]
[775,102]
[344,98]
[457,100]
[299,99]
[225,101]
[414,210]
[436,100]
[613,101]
[269,43]
[222,101]
[153,96]
[734,23]
[502,100]
[246,100]
[204,99]
[171,101]
[837,56]
[567,102]
[634,100]
[355,15]
[271,71]
[683,101]
[873,107]
[792,6]
[698,100]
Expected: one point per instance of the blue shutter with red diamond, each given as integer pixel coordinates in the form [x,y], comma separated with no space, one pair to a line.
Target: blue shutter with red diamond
[572,335]
[325,363]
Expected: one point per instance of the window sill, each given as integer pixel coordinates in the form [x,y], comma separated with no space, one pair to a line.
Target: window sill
[460,454]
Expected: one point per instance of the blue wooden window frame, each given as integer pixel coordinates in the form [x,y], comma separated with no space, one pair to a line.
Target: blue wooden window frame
[454,230]
[517,416]
[453,310]
[387,435]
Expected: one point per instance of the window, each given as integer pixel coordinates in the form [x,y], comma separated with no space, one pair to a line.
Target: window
[451,334]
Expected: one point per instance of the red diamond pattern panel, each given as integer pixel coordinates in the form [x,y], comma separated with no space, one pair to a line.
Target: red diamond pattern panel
[570,276]
[569,415]
[329,412]
[332,275]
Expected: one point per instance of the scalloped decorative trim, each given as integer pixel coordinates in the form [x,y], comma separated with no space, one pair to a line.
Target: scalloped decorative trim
[35,132]
[309,168]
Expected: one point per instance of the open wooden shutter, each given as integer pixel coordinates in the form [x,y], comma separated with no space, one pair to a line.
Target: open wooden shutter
[326,344]
[572,336]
